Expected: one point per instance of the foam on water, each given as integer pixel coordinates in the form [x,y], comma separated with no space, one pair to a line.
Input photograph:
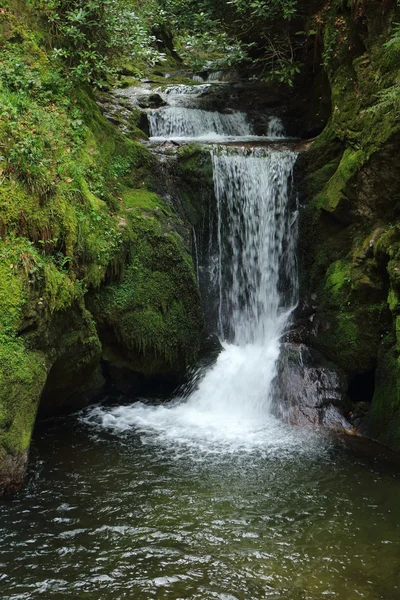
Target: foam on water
[225,412]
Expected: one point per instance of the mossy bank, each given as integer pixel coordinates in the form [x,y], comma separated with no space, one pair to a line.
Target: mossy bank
[92,267]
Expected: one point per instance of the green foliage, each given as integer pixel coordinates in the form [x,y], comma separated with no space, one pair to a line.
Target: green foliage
[204,13]
[92,37]
[266,9]
[389,98]
[74,211]
[40,125]
[216,35]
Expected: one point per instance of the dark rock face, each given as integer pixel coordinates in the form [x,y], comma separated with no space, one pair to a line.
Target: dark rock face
[12,472]
[74,378]
[310,390]
[129,119]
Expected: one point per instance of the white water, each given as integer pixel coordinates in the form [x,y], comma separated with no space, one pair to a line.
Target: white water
[182,90]
[177,122]
[229,409]
[252,198]
[223,76]
[276,129]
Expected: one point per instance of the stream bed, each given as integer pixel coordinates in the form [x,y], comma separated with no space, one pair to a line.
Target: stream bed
[128,512]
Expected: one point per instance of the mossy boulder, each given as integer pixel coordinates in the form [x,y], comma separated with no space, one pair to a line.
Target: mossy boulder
[75,378]
[151,321]
[23,375]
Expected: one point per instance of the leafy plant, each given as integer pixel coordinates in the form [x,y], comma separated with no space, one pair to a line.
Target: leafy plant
[219,34]
[388,99]
[90,37]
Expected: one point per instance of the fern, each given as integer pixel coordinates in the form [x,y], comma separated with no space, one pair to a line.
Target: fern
[388,99]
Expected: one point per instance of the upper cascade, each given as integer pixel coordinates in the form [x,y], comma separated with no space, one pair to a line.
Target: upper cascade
[177,122]
[186,113]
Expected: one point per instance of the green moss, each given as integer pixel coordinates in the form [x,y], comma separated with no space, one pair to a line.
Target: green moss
[154,313]
[338,281]
[349,239]
[22,372]
[356,83]
[22,378]
[350,337]
[74,376]
[333,197]
[196,185]
[352,310]
[144,200]
[318,179]
[77,213]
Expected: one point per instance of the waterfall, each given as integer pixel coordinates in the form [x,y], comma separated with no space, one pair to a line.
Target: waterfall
[251,188]
[178,122]
[227,406]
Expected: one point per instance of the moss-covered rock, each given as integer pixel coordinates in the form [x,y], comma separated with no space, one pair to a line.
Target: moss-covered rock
[75,378]
[349,240]
[22,378]
[151,321]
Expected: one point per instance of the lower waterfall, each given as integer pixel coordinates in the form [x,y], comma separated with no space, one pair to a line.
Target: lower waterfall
[254,276]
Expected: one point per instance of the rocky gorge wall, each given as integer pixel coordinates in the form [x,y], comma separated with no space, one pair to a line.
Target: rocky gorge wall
[349,234]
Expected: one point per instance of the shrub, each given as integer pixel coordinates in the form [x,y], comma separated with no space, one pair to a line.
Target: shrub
[91,37]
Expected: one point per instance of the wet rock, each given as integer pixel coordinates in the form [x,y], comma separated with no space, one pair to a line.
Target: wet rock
[359,416]
[122,113]
[12,472]
[150,101]
[309,390]
[75,379]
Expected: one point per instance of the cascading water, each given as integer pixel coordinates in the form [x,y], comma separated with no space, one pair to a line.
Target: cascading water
[253,225]
[230,407]
[178,122]
[276,128]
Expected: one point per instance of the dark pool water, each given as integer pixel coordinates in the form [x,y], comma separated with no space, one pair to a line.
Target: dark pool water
[110,514]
